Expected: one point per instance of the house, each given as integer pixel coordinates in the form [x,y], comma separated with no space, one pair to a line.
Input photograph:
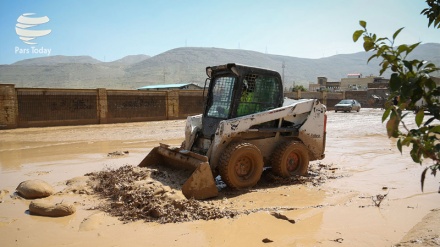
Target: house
[358,82]
[181,86]
[324,84]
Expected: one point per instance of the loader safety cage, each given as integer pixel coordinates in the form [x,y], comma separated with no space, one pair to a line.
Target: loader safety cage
[237,90]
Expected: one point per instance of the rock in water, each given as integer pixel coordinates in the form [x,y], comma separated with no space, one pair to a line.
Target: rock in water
[33,189]
[45,208]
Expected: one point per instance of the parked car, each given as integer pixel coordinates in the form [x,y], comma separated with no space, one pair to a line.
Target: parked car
[348,105]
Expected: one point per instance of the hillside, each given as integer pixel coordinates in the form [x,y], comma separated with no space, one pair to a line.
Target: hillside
[130,59]
[53,60]
[185,65]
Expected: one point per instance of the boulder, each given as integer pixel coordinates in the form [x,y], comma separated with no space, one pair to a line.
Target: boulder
[45,208]
[33,189]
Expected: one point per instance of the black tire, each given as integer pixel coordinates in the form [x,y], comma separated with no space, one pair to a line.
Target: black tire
[241,165]
[336,111]
[290,158]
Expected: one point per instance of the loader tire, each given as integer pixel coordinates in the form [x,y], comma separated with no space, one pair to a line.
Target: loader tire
[241,165]
[290,158]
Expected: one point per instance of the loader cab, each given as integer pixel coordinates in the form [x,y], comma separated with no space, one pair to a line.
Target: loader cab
[238,90]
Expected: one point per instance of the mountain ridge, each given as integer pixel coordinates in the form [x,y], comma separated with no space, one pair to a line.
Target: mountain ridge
[187,64]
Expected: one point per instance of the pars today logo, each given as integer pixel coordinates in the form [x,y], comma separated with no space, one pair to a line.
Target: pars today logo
[27,29]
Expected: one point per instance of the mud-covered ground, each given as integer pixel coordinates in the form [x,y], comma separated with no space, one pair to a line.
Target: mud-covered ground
[140,193]
[364,193]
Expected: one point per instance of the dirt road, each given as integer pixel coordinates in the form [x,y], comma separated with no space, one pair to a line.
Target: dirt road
[340,211]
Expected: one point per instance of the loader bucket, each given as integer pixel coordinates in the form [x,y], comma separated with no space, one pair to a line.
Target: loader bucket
[200,185]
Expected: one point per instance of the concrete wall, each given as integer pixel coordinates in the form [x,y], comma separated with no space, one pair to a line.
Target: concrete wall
[8,107]
[53,107]
[360,82]
[327,98]
[39,107]
[361,96]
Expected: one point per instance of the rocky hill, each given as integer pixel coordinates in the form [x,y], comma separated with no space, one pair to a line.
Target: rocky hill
[53,60]
[185,65]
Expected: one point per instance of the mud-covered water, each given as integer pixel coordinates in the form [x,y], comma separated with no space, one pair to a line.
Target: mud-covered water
[338,212]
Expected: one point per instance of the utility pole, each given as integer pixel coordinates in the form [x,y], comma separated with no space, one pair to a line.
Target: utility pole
[283,66]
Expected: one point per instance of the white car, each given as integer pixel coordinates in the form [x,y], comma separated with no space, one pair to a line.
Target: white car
[348,105]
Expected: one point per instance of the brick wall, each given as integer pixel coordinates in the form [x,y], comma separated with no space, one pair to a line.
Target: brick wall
[360,96]
[36,107]
[8,107]
[51,107]
[136,106]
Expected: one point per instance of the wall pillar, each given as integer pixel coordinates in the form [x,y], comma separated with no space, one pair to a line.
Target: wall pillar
[8,107]
[324,97]
[173,104]
[102,105]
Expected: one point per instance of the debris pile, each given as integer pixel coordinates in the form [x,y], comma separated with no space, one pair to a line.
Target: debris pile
[133,195]
[140,193]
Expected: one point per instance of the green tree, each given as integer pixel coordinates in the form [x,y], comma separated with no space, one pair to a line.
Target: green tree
[410,82]
[298,88]
[432,13]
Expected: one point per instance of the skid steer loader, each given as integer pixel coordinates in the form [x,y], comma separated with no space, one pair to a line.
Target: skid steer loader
[246,125]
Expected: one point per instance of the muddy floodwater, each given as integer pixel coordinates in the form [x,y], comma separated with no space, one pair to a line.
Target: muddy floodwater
[341,210]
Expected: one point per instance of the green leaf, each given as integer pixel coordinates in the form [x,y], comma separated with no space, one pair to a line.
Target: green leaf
[397,33]
[430,65]
[420,63]
[430,84]
[436,129]
[357,34]
[412,47]
[363,24]
[402,48]
[419,117]
[373,56]
[429,121]
[386,114]
[422,178]
[399,145]
[368,45]
[392,126]
[406,141]
[404,115]
[395,82]
[385,65]
[415,154]
[408,65]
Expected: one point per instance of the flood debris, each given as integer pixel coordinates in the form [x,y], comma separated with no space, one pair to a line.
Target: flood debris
[378,199]
[282,217]
[117,153]
[154,195]
[338,240]
[266,240]
[133,195]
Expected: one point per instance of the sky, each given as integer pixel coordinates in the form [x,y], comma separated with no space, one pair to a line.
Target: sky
[109,30]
